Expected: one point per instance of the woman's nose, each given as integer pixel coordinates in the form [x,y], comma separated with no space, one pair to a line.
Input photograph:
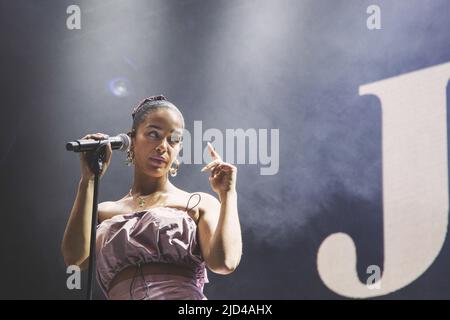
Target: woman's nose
[161,148]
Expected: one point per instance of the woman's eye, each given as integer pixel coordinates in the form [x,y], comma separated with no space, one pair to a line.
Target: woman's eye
[153,134]
[175,138]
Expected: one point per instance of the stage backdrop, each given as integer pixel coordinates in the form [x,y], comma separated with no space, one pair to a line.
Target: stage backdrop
[334,112]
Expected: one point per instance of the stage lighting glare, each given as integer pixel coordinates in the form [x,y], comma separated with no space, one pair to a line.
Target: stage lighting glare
[119,87]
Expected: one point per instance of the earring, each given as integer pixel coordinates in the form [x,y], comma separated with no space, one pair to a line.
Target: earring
[173,171]
[130,157]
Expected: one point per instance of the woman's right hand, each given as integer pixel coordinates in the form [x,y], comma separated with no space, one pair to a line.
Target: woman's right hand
[86,172]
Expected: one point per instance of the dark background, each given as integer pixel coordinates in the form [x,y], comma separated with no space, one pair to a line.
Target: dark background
[290,64]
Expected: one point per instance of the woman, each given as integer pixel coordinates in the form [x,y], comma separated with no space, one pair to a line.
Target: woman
[155,242]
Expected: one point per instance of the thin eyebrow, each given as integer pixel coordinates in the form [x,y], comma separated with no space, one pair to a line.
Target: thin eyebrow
[159,128]
[153,126]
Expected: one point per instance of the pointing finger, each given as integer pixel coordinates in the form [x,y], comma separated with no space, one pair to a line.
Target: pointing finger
[211,165]
[213,152]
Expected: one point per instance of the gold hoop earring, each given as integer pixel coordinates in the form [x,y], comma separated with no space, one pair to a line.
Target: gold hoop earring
[130,158]
[174,171]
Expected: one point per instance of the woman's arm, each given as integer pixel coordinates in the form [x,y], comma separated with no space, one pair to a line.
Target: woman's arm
[76,241]
[220,232]
[75,245]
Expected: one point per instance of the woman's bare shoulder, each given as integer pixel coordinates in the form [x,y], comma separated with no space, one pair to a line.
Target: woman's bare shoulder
[198,202]
[208,203]
[108,209]
[107,206]
[202,198]
[114,205]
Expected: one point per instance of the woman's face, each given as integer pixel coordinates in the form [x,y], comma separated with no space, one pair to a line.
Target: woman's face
[157,142]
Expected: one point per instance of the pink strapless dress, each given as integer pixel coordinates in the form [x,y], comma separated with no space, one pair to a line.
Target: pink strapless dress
[163,234]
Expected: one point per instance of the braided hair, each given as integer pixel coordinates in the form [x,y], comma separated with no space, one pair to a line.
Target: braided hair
[149,105]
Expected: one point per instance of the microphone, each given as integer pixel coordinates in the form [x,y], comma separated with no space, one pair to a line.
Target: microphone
[122,142]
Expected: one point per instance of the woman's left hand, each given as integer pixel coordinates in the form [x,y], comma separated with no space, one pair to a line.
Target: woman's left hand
[223,174]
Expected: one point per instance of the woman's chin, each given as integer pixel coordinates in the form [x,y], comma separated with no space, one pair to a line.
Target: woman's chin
[155,171]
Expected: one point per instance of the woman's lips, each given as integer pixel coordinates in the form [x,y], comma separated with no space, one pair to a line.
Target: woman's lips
[159,162]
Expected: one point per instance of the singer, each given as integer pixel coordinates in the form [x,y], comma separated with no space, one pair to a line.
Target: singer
[157,241]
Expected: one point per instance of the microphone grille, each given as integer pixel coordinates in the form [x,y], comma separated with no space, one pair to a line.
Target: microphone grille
[126,142]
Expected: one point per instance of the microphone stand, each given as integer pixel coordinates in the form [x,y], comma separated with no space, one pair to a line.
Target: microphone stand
[96,164]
